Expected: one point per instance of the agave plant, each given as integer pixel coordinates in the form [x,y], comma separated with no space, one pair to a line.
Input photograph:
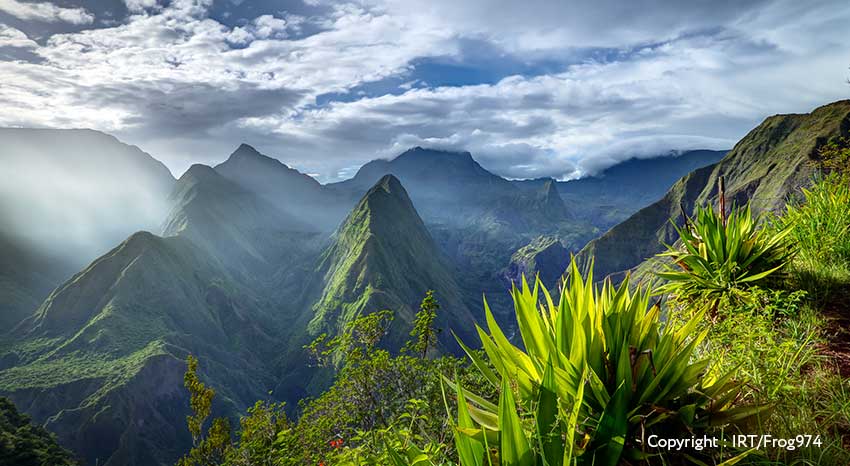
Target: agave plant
[596,373]
[721,257]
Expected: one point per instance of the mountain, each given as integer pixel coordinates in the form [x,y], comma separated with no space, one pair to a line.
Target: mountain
[438,179]
[434,178]
[77,193]
[767,166]
[25,444]
[622,189]
[27,275]
[545,257]
[476,217]
[383,257]
[287,189]
[544,203]
[243,230]
[67,196]
[101,361]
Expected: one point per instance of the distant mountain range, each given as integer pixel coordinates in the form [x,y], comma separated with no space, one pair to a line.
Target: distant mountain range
[245,262]
[610,196]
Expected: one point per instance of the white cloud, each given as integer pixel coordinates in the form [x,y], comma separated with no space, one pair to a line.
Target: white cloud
[262,27]
[138,6]
[11,37]
[45,11]
[179,83]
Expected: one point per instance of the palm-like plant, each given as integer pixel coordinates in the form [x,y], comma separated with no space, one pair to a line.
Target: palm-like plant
[721,257]
[598,372]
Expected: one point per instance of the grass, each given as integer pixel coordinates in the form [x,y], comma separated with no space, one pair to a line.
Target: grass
[783,344]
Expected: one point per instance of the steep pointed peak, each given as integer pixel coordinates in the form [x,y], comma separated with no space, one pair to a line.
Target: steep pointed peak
[386,195]
[549,184]
[549,189]
[386,201]
[389,184]
[248,161]
[246,148]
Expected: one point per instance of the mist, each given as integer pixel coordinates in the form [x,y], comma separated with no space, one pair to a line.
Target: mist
[75,194]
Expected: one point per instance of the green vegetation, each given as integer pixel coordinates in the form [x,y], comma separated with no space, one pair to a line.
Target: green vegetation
[424,330]
[599,362]
[764,168]
[781,338]
[721,257]
[25,444]
[595,374]
[383,257]
[835,155]
[377,400]
[819,224]
[101,361]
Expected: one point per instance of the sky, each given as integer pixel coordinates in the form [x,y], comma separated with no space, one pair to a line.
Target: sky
[532,88]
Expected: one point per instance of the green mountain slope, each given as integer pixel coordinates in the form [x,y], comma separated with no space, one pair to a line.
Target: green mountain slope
[384,258]
[245,231]
[478,219]
[66,197]
[101,361]
[25,444]
[769,164]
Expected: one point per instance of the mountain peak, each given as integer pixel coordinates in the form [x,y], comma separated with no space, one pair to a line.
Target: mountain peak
[383,257]
[421,153]
[246,152]
[200,172]
[389,200]
[389,184]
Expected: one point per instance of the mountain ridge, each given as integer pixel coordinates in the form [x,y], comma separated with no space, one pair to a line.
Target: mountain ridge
[382,257]
[772,162]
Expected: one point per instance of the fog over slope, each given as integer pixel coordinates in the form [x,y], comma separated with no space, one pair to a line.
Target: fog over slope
[75,194]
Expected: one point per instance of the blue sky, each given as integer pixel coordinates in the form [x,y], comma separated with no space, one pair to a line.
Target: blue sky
[532,88]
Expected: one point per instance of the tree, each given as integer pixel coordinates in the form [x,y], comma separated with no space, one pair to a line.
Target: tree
[215,446]
[424,333]
[23,443]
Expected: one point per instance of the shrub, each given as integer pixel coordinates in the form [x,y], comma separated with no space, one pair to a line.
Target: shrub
[820,222]
[722,257]
[599,372]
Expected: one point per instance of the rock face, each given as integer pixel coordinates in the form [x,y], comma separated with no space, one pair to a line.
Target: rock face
[771,163]
[384,258]
[545,257]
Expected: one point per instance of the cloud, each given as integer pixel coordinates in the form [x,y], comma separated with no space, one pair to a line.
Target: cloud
[45,11]
[261,27]
[11,37]
[545,25]
[138,6]
[327,91]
